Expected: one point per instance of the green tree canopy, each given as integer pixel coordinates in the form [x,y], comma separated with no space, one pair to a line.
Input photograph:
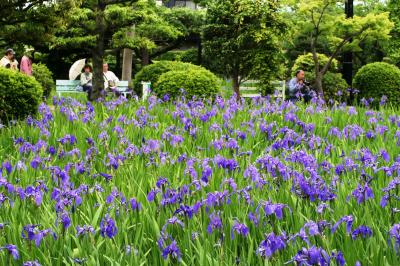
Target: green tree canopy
[242,38]
[321,22]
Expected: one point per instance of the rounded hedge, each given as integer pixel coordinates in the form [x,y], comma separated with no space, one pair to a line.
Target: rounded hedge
[20,95]
[378,79]
[44,76]
[193,82]
[153,72]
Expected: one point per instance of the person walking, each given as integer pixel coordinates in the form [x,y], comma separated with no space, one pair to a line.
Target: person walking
[86,79]
[9,61]
[26,62]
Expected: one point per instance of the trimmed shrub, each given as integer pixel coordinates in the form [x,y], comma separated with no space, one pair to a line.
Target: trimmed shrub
[20,95]
[378,79]
[153,72]
[44,76]
[194,82]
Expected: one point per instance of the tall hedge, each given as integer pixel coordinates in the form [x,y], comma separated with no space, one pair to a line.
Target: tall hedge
[44,76]
[153,72]
[20,95]
[193,82]
[378,79]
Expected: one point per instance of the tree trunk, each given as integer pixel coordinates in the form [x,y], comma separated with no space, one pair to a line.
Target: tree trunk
[127,64]
[118,65]
[236,85]
[318,84]
[145,57]
[199,51]
[98,55]
[127,59]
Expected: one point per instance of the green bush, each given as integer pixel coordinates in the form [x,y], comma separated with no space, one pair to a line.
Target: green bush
[154,71]
[332,83]
[20,95]
[378,79]
[195,82]
[44,76]
[306,63]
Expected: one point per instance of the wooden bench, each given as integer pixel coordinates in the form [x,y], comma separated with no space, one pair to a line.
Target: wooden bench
[250,88]
[71,86]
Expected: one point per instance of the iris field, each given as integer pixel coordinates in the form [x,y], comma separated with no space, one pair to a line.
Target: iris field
[262,182]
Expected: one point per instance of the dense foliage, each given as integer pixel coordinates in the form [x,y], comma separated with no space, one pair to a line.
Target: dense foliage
[153,72]
[335,87]
[323,26]
[187,56]
[44,76]
[377,80]
[20,95]
[305,62]
[200,182]
[241,39]
[191,82]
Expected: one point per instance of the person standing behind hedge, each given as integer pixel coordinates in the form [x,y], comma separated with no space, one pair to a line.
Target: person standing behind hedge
[86,79]
[26,63]
[9,61]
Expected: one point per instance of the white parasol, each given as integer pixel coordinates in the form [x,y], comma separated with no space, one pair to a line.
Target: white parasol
[76,69]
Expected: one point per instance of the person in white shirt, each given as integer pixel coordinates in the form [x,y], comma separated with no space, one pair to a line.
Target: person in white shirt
[110,79]
[9,61]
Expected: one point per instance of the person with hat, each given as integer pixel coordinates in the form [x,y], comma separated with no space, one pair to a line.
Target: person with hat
[26,62]
[9,60]
[86,79]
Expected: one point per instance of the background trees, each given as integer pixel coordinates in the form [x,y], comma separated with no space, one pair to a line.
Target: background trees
[324,26]
[237,39]
[241,38]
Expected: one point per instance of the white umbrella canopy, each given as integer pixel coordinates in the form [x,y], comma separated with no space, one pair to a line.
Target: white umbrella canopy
[76,69]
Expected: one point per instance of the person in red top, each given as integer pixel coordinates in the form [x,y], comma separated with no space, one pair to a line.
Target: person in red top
[26,63]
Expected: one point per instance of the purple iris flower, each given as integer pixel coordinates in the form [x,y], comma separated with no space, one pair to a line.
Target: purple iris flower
[273,208]
[394,234]
[7,165]
[240,229]
[339,258]
[172,250]
[134,204]
[363,231]
[108,227]
[65,220]
[345,219]
[161,182]
[312,256]
[363,193]
[271,244]
[83,230]
[215,223]
[31,263]
[108,177]
[12,250]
